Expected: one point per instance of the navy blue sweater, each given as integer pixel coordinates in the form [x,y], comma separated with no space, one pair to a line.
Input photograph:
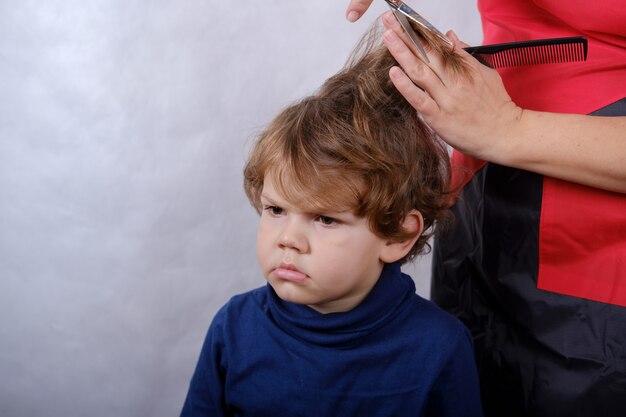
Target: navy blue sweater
[395,354]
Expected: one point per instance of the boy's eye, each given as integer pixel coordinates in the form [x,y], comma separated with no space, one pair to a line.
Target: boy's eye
[274,210]
[326,220]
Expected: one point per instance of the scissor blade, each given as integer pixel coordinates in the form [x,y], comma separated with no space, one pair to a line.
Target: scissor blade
[412,15]
[409,31]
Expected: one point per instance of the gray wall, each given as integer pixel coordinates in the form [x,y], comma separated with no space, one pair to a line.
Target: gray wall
[124,126]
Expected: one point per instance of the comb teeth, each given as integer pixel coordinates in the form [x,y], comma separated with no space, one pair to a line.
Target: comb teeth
[543,51]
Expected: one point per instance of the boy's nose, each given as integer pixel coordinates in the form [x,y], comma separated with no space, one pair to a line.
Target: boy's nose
[292,237]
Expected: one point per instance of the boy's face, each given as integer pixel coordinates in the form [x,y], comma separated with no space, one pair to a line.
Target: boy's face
[328,261]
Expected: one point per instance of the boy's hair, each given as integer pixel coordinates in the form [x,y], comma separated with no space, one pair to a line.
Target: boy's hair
[356,145]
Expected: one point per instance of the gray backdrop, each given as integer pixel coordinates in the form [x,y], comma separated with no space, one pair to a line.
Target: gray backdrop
[124,125]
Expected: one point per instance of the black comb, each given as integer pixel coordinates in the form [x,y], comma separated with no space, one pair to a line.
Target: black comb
[542,51]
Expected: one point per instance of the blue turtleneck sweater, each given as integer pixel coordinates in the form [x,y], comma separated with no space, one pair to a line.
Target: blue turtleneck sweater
[395,354]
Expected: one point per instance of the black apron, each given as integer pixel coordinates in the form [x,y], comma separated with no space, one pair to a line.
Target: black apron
[538,353]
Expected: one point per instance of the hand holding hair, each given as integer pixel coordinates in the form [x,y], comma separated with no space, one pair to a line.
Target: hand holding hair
[472,111]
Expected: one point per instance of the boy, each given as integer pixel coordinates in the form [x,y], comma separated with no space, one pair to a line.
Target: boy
[349,184]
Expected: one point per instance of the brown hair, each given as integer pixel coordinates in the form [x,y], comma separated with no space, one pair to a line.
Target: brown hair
[356,145]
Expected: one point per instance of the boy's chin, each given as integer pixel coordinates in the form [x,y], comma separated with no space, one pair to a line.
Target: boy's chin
[286,291]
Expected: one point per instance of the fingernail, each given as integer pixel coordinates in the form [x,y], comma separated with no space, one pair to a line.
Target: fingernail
[395,73]
[353,16]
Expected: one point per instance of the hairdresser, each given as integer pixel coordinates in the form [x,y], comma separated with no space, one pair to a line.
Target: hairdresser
[535,263]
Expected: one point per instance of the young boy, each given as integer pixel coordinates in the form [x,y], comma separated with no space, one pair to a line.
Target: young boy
[349,184]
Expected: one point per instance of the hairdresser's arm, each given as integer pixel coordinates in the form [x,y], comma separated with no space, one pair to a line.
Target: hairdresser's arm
[476,116]
[356,8]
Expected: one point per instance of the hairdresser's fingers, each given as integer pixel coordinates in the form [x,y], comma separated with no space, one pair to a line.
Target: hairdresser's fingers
[435,60]
[391,23]
[418,98]
[458,43]
[356,8]
[419,72]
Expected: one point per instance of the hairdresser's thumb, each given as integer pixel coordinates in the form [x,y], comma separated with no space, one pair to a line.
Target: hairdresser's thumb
[455,39]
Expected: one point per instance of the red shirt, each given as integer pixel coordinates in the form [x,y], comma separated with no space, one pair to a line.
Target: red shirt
[580,87]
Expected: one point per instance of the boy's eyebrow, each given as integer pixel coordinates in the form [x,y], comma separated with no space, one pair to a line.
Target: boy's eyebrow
[268,198]
[316,210]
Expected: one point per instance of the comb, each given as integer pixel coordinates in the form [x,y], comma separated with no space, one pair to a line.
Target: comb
[541,51]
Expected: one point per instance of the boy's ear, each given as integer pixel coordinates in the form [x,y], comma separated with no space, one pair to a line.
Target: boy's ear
[395,250]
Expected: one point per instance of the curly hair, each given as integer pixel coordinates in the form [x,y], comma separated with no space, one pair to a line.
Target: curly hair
[358,145]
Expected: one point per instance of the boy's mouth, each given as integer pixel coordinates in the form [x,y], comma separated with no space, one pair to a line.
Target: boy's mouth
[289,272]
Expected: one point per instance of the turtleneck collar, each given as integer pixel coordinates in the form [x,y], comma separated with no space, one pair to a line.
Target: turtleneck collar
[384,301]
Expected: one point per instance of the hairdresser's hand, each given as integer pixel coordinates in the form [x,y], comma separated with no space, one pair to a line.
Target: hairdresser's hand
[475,114]
[356,8]
[471,112]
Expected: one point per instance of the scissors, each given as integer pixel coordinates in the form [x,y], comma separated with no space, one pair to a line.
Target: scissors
[532,52]
[404,13]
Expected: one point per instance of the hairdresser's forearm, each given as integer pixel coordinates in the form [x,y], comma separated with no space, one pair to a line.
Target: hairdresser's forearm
[587,150]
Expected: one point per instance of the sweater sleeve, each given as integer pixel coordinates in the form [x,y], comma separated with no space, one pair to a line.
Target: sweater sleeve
[456,392]
[206,390]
